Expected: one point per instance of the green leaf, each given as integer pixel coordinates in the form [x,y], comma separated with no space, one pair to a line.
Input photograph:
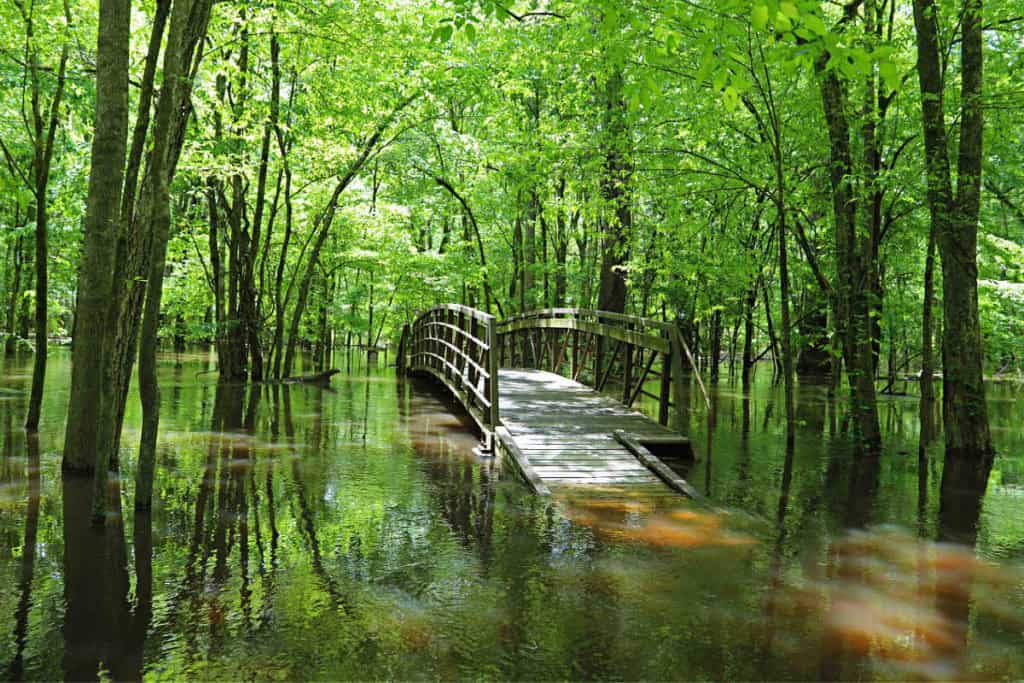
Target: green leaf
[789,9]
[890,76]
[814,24]
[759,16]
[731,98]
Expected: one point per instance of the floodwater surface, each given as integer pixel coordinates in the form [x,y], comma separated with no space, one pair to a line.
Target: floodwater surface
[351,533]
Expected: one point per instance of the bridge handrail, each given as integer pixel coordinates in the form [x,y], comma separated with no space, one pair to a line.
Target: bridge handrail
[459,346]
[589,313]
[550,338]
[458,308]
[464,347]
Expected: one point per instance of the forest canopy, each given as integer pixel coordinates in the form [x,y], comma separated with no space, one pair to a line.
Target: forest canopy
[790,180]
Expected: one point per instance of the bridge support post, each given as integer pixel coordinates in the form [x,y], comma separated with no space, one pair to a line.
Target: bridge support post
[400,359]
[627,371]
[493,365]
[666,387]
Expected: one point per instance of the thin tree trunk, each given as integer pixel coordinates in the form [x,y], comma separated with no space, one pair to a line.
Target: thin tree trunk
[748,337]
[615,185]
[927,340]
[11,343]
[45,137]
[175,77]
[90,373]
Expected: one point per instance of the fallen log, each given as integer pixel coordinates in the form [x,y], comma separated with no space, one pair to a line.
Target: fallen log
[319,378]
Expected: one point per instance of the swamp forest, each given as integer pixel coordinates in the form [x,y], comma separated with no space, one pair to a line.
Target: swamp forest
[512,339]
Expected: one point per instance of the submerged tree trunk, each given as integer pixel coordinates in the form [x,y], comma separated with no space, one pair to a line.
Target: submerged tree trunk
[955,222]
[135,240]
[44,138]
[176,60]
[90,374]
[748,337]
[927,341]
[853,265]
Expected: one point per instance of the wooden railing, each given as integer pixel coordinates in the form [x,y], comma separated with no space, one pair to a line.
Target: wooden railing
[464,348]
[459,346]
[597,347]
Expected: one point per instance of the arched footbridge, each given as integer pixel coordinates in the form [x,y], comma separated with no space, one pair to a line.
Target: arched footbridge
[539,387]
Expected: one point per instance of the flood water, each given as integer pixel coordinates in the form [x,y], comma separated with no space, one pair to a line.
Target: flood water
[351,533]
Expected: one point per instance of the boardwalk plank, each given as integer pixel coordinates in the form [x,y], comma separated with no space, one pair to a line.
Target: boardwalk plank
[565,431]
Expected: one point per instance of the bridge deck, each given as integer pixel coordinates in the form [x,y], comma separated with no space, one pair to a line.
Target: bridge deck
[565,432]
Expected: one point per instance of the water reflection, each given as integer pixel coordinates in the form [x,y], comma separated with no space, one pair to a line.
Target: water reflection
[102,631]
[300,533]
[464,485]
[15,672]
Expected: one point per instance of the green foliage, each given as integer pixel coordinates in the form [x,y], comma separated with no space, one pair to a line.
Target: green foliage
[511,112]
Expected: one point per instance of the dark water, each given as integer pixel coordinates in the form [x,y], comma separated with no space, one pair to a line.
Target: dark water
[352,533]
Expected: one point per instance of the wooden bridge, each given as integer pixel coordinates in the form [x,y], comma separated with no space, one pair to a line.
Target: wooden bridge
[537,386]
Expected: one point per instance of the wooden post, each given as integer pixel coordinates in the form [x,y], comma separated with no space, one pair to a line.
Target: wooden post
[677,381]
[627,370]
[666,387]
[400,360]
[494,414]
[466,346]
[575,353]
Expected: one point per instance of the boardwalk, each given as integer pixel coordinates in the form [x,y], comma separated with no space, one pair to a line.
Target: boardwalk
[513,378]
[566,433]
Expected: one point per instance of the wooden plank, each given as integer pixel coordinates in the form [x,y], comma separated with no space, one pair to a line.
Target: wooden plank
[558,432]
[521,462]
[666,473]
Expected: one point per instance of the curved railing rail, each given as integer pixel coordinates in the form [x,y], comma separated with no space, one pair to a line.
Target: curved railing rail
[464,348]
[598,347]
[459,346]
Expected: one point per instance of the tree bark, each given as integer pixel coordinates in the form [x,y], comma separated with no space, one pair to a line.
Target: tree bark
[175,76]
[927,384]
[615,185]
[90,373]
[44,139]
[955,222]
[853,265]
[748,337]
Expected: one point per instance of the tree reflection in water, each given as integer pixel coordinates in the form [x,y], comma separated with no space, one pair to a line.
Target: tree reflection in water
[299,533]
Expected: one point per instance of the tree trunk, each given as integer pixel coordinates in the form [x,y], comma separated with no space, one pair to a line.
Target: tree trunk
[45,136]
[135,237]
[853,265]
[748,337]
[11,343]
[927,341]
[955,221]
[90,373]
[615,185]
[716,344]
[160,221]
